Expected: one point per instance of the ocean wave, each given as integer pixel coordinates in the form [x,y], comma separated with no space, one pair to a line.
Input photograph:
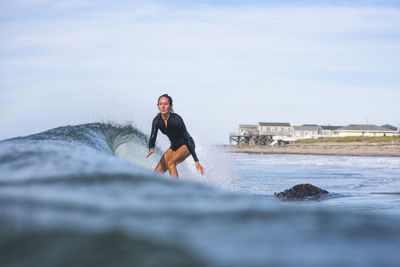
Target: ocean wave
[105,137]
[71,151]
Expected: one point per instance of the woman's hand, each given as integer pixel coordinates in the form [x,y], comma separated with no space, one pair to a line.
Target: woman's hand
[200,168]
[151,151]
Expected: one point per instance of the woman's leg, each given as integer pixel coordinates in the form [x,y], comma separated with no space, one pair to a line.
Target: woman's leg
[177,157]
[162,165]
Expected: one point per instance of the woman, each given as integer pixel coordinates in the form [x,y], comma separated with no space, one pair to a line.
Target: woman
[182,144]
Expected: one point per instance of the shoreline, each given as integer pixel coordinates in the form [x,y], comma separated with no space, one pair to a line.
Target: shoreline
[336,149]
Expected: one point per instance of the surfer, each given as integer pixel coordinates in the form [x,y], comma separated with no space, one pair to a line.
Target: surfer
[182,144]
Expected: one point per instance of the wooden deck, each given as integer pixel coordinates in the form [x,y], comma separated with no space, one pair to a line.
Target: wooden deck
[249,140]
[236,139]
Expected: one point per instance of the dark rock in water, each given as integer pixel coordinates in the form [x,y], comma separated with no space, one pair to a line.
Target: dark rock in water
[301,192]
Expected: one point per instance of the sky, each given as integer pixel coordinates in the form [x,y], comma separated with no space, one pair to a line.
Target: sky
[224,63]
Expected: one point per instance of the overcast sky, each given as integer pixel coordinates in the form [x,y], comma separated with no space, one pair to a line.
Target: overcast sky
[224,64]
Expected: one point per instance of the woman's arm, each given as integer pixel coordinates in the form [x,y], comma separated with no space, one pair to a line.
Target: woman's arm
[153,136]
[191,146]
[200,168]
[189,142]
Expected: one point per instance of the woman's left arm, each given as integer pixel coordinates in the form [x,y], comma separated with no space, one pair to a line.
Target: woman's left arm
[188,140]
[200,168]
[190,145]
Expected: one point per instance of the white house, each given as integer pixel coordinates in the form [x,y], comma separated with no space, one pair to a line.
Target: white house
[364,130]
[306,131]
[330,131]
[248,129]
[275,128]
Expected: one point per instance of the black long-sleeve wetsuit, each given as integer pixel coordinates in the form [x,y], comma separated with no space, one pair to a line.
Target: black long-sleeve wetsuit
[176,132]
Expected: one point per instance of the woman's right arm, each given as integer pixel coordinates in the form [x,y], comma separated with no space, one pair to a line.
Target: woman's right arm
[153,136]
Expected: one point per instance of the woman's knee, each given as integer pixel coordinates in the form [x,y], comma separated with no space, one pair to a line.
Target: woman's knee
[171,163]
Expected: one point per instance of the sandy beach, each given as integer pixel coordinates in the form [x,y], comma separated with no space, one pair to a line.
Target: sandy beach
[343,149]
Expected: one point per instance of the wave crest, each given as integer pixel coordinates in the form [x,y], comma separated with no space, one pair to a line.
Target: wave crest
[74,150]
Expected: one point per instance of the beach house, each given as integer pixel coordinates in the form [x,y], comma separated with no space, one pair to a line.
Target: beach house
[306,131]
[364,130]
[248,129]
[329,131]
[275,128]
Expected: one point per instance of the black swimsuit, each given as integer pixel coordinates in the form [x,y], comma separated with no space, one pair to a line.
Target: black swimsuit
[176,132]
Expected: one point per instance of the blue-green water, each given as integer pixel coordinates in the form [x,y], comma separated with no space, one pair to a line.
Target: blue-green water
[86,196]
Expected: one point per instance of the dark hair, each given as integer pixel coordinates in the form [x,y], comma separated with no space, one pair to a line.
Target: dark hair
[168,97]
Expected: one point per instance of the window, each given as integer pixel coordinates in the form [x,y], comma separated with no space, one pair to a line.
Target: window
[264,128]
[286,129]
[272,129]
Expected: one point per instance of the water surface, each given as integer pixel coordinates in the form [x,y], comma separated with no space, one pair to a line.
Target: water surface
[85,196]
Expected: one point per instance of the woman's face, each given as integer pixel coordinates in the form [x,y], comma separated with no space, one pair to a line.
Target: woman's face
[164,106]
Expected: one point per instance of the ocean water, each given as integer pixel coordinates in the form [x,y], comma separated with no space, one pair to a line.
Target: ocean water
[355,183]
[85,195]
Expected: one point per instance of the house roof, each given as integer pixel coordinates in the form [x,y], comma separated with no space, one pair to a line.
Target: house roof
[389,127]
[329,127]
[284,124]
[306,128]
[364,127]
[248,125]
